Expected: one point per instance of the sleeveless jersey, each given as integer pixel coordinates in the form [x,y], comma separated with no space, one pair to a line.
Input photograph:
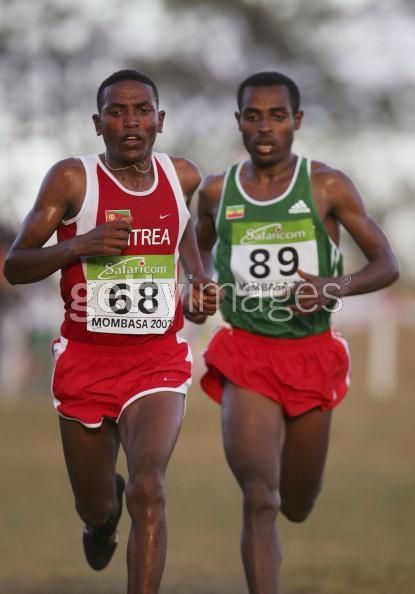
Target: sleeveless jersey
[128,299]
[260,247]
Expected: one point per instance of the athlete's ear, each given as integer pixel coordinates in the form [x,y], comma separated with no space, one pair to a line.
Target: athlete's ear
[161,116]
[298,118]
[97,123]
[238,118]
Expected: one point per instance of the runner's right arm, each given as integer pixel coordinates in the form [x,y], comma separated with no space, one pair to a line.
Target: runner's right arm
[60,198]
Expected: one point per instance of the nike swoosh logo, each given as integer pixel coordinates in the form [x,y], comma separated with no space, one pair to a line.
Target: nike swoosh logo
[166,215]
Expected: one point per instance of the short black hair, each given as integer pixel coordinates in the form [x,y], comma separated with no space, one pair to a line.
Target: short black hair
[269,79]
[125,75]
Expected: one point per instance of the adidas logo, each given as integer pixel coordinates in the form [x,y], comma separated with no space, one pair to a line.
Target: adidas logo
[299,207]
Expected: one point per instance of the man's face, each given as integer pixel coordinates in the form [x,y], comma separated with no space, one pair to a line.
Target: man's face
[267,124]
[129,121]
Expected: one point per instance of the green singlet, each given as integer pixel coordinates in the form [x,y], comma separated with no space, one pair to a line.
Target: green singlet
[260,247]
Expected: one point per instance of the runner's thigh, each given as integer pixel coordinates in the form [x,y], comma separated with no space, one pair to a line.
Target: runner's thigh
[253,434]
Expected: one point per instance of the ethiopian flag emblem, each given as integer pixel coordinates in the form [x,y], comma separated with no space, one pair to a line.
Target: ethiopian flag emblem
[235,212]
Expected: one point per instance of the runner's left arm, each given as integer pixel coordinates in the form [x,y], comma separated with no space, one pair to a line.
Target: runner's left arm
[381,269]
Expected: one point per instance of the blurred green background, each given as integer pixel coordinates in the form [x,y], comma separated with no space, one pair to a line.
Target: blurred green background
[353,63]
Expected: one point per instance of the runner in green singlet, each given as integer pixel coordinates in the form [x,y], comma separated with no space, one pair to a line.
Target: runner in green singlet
[277,367]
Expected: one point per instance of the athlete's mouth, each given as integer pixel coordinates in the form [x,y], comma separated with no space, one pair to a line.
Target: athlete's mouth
[132,139]
[264,148]
[264,142]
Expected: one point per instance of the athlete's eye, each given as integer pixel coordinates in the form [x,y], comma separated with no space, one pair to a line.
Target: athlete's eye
[145,110]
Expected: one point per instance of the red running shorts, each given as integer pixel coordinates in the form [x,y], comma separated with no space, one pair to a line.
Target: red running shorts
[92,382]
[298,373]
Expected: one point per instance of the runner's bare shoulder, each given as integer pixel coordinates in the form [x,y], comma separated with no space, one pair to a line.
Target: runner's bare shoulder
[211,190]
[188,173]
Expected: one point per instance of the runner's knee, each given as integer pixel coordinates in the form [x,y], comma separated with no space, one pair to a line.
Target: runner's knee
[96,513]
[261,500]
[145,492]
[297,511]
[298,506]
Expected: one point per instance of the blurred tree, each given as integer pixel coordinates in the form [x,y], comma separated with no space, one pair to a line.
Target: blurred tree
[352,62]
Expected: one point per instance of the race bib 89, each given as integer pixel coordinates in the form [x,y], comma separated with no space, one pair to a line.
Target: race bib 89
[266,256]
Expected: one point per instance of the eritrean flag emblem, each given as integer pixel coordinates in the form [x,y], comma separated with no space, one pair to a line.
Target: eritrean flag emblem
[116,215]
[235,212]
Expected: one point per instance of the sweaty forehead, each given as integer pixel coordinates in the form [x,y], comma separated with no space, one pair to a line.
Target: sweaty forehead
[128,91]
[269,96]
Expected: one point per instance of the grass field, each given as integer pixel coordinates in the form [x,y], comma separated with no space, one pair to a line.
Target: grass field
[359,540]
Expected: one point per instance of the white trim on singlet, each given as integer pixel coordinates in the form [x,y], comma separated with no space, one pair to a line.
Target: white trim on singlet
[309,161]
[335,248]
[218,214]
[86,219]
[87,215]
[91,186]
[171,174]
[127,190]
[273,200]
[222,196]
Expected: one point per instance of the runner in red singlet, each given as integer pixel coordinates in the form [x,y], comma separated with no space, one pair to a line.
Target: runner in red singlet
[121,372]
